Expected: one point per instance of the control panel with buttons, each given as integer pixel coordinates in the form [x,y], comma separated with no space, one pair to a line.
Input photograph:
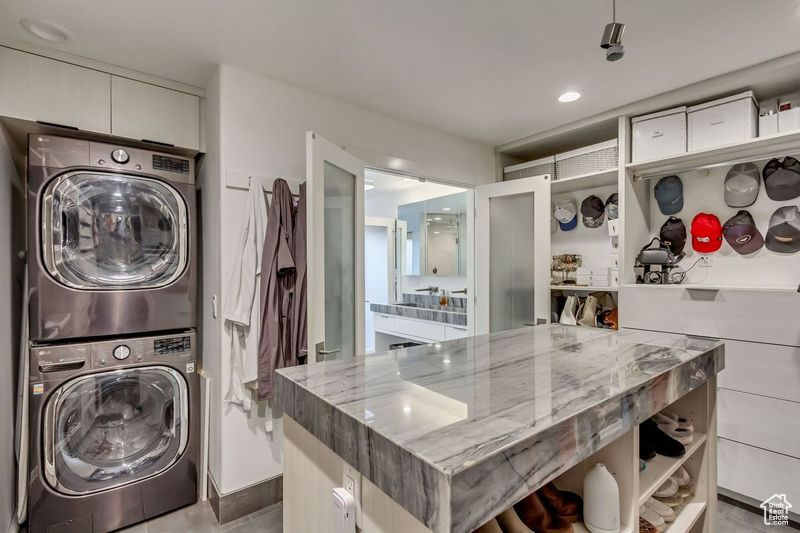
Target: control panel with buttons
[172,345]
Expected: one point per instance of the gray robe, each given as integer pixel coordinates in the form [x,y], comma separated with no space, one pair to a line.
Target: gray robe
[277,289]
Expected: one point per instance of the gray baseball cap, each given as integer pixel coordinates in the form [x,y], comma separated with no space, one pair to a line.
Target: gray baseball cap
[783,234]
[782,179]
[742,183]
[669,195]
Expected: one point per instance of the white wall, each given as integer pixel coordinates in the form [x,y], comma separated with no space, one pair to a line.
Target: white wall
[262,125]
[10,269]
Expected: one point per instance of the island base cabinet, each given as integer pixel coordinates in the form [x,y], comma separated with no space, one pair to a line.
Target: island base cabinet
[312,471]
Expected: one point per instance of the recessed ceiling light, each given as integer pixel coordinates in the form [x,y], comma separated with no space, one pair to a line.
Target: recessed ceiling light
[437,219]
[445,209]
[46,30]
[569,96]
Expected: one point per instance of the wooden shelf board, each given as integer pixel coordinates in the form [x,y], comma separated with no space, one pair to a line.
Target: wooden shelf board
[583,288]
[585,181]
[688,515]
[660,468]
[754,149]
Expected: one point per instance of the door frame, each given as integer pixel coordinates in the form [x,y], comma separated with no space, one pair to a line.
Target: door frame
[539,186]
[318,151]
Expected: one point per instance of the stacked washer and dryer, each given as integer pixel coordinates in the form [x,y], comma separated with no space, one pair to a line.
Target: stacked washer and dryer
[113,389]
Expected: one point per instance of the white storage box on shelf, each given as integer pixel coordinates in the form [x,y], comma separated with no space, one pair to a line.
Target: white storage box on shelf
[789,113]
[539,167]
[659,134]
[593,276]
[725,121]
[768,117]
[587,160]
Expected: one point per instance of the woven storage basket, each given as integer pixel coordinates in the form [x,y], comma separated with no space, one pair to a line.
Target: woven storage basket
[539,167]
[594,158]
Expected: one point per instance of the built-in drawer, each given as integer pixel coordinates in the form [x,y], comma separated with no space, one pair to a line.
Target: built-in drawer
[757,473]
[383,322]
[454,332]
[759,421]
[740,314]
[766,369]
[419,328]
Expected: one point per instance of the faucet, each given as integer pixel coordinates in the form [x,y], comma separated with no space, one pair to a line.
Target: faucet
[431,290]
[462,291]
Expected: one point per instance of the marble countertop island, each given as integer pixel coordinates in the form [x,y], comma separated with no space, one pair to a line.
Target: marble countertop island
[456,432]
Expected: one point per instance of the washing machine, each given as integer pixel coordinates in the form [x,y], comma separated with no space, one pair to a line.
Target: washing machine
[111,239]
[113,432]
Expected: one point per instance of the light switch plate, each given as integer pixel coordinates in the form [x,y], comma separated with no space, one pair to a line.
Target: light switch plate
[351,481]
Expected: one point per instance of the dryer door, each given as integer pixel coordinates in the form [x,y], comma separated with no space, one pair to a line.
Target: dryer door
[112,231]
[109,429]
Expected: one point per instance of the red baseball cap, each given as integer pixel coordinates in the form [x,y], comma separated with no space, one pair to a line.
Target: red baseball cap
[706,233]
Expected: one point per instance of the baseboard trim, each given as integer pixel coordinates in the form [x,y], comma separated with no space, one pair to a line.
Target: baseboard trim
[236,504]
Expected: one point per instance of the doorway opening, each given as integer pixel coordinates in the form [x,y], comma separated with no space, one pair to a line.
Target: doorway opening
[418,268]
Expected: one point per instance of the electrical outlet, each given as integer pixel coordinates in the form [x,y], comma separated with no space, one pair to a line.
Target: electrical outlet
[705,261]
[351,481]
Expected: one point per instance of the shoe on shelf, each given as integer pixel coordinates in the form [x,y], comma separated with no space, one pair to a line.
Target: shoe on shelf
[663,510]
[662,443]
[565,504]
[646,451]
[682,422]
[510,522]
[668,489]
[568,314]
[653,517]
[682,434]
[489,527]
[682,477]
[536,516]
[646,527]
[673,501]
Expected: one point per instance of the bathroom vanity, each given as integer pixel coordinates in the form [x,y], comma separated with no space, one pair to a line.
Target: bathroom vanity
[443,437]
[420,319]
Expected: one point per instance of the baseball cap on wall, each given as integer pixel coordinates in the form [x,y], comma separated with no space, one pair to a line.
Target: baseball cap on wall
[742,183]
[782,179]
[566,213]
[783,234]
[612,207]
[669,195]
[742,234]
[673,234]
[593,211]
[706,233]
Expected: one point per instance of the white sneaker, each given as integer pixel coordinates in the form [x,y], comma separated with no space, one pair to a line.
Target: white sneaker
[568,314]
[682,477]
[669,488]
[664,510]
[653,517]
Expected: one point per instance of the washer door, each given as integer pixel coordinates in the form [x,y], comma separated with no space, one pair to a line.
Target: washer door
[113,428]
[112,231]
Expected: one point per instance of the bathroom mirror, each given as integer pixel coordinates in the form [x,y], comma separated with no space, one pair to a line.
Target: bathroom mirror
[436,236]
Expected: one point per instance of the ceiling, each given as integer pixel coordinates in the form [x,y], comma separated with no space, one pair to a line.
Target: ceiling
[379,183]
[490,71]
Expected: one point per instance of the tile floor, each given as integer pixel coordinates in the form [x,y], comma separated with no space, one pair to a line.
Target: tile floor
[200,518]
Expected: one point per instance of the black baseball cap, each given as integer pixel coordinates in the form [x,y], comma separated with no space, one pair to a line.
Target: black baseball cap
[612,206]
[593,211]
[782,179]
[783,234]
[742,234]
[669,195]
[673,234]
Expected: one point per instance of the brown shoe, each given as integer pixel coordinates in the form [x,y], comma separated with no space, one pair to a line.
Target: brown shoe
[489,527]
[536,516]
[565,504]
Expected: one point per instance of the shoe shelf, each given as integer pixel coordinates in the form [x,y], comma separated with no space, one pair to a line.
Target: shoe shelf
[687,516]
[660,468]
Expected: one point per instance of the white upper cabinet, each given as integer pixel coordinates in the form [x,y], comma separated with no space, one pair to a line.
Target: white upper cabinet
[143,111]
[40,89]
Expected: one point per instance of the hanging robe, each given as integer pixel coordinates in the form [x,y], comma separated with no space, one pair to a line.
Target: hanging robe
[299,346]
[241,312]
[277,289]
